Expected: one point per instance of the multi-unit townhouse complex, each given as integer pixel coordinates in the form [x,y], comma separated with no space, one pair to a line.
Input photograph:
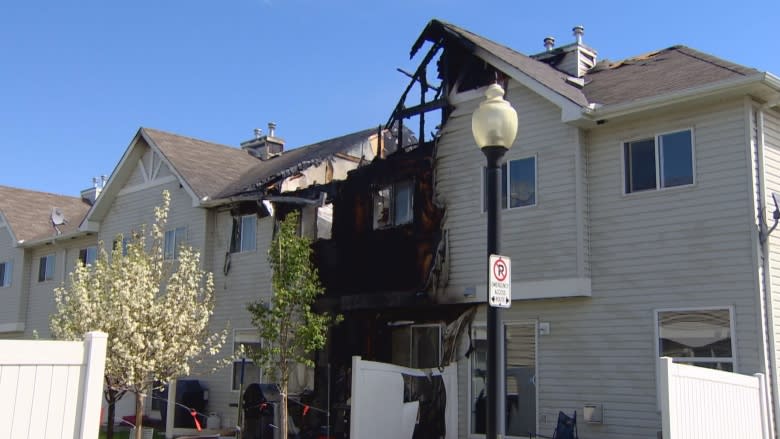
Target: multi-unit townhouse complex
[637,212]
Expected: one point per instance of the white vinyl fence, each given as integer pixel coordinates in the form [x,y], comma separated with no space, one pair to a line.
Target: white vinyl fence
[697,402]
[51,389]
[389,401]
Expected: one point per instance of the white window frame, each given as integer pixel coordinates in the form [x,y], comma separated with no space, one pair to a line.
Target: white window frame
[482,178]
[8,271]
[244,335]
[483,325]
[688,360]
[46,277]
[240,245]
[175,233]
[658,166]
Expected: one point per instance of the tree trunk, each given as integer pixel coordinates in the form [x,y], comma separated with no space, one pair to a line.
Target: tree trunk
[111,399]
[283,408]
[139,414]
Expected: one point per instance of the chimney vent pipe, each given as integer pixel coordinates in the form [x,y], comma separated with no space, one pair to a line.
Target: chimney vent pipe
[579,31]
[271,129]
[258,133]
[549,43]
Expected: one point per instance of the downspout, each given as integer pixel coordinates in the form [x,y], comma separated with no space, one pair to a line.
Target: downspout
[765,288]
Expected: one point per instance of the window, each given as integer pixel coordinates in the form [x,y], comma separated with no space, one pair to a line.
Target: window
[46,268]
[699,337]
[248,338]
[417,346]
[6,269]
[88,255]
[174,239]
[665,160]
[518,184]
[393,205]
[520,379]
[243,236]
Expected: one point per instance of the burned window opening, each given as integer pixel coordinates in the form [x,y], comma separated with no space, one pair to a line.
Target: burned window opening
[393,204]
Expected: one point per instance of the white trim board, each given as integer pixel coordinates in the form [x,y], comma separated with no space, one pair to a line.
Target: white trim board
[543,289]
[12,327]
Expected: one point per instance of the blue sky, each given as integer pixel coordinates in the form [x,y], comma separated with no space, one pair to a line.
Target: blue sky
[78,78]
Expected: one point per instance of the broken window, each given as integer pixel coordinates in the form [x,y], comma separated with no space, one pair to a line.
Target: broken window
[243,237]
[393,205]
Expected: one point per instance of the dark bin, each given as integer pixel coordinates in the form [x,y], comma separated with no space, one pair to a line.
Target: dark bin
[260,403]
[189,393]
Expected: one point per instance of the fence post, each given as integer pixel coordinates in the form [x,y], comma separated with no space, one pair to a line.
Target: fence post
[95,344]
[762,396]
[665,366]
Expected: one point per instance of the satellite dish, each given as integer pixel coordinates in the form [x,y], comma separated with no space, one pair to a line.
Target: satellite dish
[57,217]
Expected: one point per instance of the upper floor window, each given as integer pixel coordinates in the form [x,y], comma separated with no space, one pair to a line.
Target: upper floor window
[701,337]
[393,205]
[518,184]
[174,239]
[243,236]
[46,268]
[6,269]
[88,256]
[665,160]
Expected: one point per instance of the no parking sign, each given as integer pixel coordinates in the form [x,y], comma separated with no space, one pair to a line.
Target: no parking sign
[500,281]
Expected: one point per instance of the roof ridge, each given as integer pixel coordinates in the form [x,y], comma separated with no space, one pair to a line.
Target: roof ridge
[73,197]
[182,136]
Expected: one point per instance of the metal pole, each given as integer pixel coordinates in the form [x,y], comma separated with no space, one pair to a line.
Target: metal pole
[496,414]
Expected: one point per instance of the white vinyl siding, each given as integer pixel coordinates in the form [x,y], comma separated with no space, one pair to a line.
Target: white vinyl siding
[550,228]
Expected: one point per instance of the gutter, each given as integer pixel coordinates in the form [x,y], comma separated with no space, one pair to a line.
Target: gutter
[653,102]
[51,239]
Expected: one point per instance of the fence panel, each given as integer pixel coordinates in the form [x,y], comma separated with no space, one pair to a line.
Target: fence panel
[697,402]
[51,389]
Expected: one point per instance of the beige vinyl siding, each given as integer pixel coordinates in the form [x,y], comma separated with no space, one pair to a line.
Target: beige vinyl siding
[771,140]
[40,300]
[549,227]
[682,247]
[11,297]
[249,279]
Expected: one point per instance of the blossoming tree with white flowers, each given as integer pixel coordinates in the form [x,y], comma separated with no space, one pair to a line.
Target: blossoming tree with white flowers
[290,331]
[155,311]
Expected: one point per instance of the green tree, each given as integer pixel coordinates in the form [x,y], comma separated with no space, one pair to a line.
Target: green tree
[288,328]
[155,311]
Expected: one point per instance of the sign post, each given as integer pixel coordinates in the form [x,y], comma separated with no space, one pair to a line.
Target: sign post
[500,281]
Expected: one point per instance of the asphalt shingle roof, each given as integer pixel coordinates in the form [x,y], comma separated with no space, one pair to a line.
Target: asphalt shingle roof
[29,212]
[665,71]
[219,171]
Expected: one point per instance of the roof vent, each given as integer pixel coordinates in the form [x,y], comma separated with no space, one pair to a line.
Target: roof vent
[90,195]
[549,43]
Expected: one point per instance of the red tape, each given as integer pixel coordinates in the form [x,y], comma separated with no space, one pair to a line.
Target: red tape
[306,410]
[195,417]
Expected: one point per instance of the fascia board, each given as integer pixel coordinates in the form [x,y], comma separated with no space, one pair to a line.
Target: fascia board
[6,225]
[99,209]
[565,104]
[651,103]
[52,239]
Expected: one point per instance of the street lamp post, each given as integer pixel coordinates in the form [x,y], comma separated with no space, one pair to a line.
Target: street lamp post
[494,125]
